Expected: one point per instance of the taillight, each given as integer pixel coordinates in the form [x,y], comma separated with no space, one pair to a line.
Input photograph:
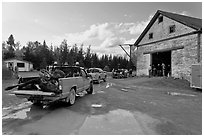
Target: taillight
[60,85]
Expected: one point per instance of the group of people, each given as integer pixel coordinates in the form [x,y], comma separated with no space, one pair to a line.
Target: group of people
[159,70]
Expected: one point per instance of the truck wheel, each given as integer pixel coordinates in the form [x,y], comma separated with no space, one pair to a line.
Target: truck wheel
[104,79]
[90,90]
[98,82]
[71,99]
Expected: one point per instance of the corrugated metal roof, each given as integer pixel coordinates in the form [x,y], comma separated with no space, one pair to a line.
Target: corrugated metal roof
[192,22]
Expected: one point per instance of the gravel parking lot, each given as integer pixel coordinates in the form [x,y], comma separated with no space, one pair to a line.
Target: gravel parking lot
[118,106]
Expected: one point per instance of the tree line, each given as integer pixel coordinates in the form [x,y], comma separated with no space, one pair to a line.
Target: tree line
[42,55]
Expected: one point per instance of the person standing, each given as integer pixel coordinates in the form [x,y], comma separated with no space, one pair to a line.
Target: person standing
[163,69]
[158,69]
[168,70]
[130,72]
[153,70]
[150,70]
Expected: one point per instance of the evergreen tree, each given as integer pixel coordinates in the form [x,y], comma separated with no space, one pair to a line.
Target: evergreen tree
[11,41]
[10,48]
[41,56]
[43,64]
[80,56]
[87,60]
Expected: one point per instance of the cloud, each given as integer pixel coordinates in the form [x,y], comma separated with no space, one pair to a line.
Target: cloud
[105,37]
[130,41]
[138,28]
[127,16]
[36,21]
[133,28]
[99,32]
[113,42]
[185,13]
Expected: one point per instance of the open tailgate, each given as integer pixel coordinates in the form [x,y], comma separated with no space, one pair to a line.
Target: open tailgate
[33,92]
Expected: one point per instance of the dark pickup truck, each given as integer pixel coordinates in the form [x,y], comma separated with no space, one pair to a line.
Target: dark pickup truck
[75,81]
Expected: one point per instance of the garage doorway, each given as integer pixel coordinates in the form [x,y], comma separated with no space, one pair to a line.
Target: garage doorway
[158,59]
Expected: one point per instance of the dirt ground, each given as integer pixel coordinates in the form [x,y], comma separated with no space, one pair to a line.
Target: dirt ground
[119,106]
[9,99]
[171,101]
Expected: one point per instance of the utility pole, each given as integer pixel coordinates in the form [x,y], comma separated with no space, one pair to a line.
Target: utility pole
[125,50]
[129,54]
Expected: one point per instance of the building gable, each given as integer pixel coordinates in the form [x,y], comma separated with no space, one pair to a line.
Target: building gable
[187,24]
[168,28]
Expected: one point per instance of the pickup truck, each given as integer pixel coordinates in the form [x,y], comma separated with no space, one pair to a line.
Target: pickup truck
[75,81]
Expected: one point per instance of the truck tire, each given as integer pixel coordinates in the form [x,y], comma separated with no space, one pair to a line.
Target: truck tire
[72,97]
[98,81]
[104,79]
[90,90]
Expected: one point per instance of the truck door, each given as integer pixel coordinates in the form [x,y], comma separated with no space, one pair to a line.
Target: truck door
[79,80]
[85,79]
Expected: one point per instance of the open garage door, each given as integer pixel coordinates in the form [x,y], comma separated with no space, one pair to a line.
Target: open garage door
[161,57]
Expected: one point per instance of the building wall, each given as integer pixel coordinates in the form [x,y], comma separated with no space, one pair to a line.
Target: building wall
[27,66]
[200,43]
[184,53]
[161,30]
[183,59]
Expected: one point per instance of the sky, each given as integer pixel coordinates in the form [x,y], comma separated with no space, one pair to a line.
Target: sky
[103,25]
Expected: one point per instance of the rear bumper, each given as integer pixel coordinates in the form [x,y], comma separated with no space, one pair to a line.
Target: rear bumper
[38,96]
[33,92]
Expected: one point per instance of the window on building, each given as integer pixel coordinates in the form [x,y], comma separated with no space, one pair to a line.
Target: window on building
[150,35]
[160,19]
[172,29]
[21,65]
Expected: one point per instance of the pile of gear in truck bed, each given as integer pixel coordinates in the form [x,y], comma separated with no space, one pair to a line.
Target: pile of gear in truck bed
[46,82]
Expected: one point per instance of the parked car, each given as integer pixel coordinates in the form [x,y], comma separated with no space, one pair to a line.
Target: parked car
[125,73]
[120,73]
[132,73]
[48,88]
[117,73]
[97,74]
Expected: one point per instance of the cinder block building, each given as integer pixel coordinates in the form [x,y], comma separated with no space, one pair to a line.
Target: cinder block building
[172,39]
